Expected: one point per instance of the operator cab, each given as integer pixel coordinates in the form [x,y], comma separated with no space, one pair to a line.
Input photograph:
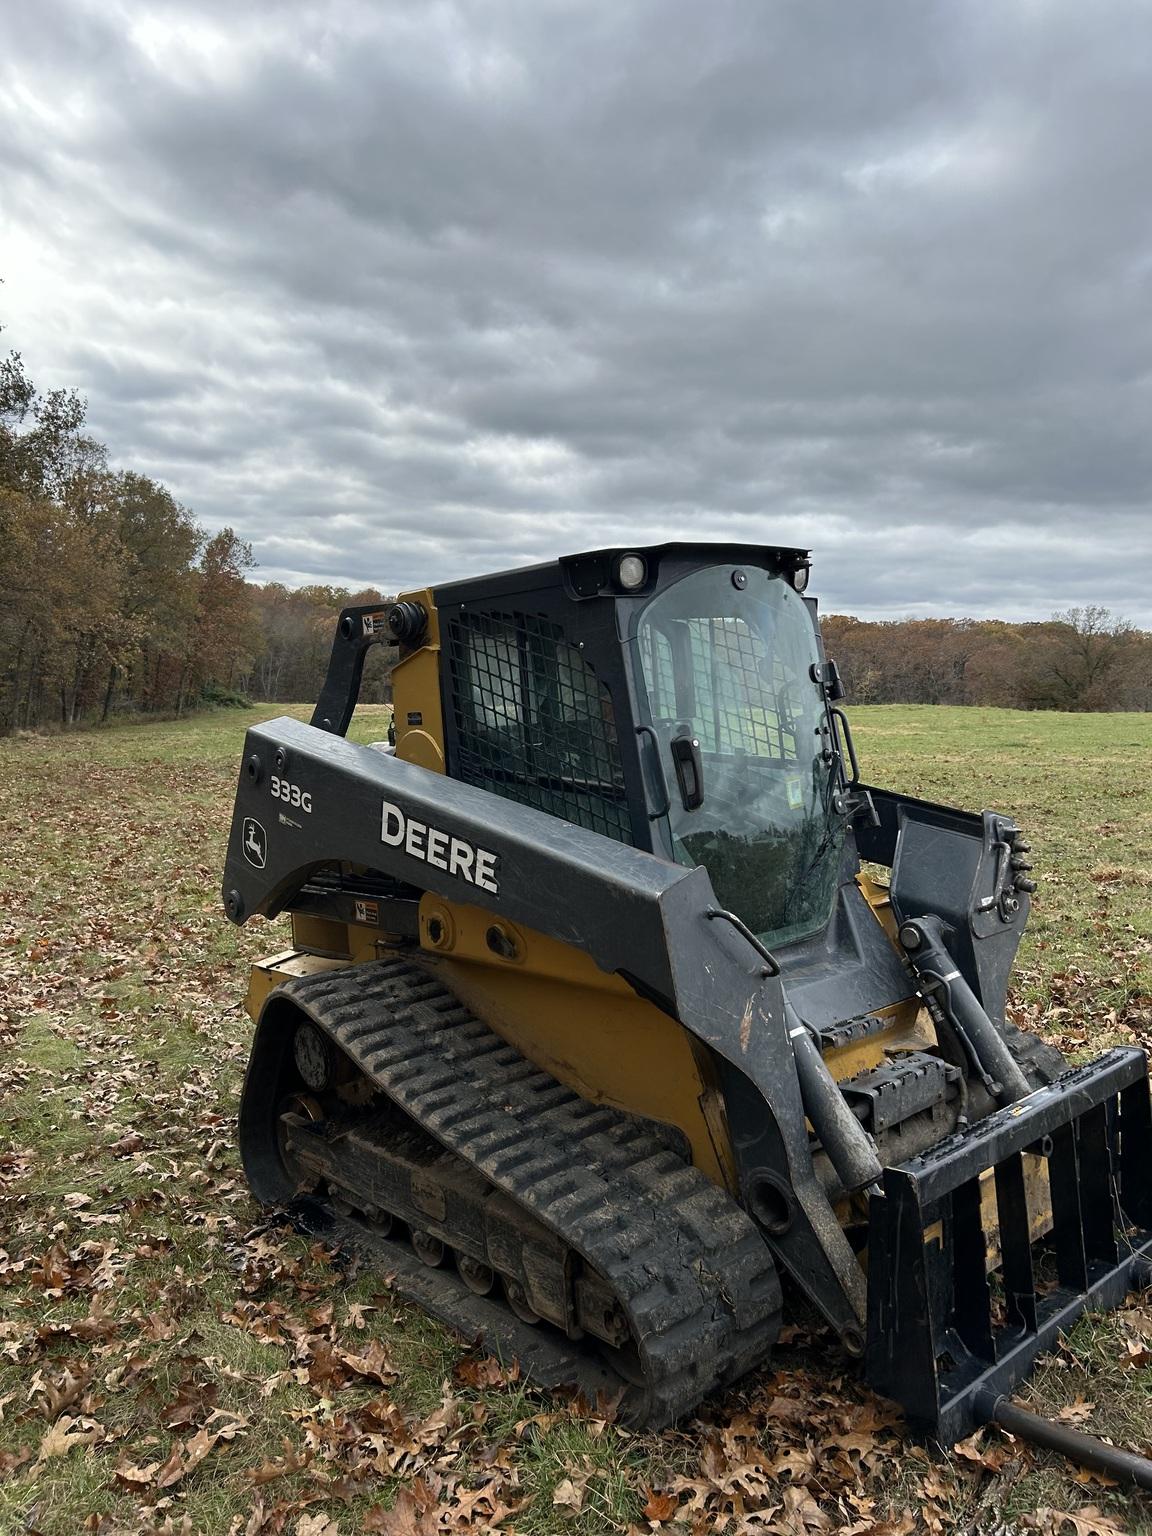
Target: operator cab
[675,698]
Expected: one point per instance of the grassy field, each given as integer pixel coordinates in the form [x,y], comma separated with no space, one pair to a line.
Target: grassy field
[169,1365]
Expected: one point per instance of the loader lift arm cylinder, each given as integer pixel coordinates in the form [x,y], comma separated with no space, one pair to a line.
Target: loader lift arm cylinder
[850,1149]
[939,975]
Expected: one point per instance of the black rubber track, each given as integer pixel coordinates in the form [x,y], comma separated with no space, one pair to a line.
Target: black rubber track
[692,1274]
[1040,1062]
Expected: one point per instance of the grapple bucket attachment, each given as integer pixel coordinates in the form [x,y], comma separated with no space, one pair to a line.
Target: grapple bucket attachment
[1060,1185]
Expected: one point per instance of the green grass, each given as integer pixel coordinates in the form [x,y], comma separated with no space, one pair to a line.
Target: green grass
[1079,785]
[132,1257]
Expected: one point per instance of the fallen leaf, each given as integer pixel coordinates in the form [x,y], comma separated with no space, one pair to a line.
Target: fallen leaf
[184,1458]
[316,1525]
[373,1362]
[283,1466]
[55,1269]
[326,1368]
[486,1373]
[1088,1521]
[57,1393]
[193,1401]
[65,1435]
[569,1493]
[977,1450]
[130,1476]
[801,1513]
[413,1513]
[660,1506]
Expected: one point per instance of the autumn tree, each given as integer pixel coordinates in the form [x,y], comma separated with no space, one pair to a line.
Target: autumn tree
[159,545]
[1078,660]
[224,630]
[110,594]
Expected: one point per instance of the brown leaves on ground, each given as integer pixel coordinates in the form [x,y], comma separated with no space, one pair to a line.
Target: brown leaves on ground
[170,1361]
[480,1372]
[414,1513]
[803,1457]
[796,1458]
[183,1459]
[660,1506]
[570,1492]
[1088,1521]
[292,1461]
[195,1398]
[53,1393]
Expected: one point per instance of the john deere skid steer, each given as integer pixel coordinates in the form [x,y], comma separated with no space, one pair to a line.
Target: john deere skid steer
[619,1011]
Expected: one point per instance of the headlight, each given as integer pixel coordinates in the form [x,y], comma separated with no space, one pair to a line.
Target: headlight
[631,572]
[799,576]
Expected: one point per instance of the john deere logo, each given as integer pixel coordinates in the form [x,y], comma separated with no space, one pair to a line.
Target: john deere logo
[255,842]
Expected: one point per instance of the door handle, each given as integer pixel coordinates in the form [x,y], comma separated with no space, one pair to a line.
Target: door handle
[689,767]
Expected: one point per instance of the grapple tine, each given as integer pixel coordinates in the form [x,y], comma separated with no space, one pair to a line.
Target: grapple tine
[901,1345]
[1098,1198]
[1067,1215]
[934,1343]
[1136,1155]
[1014,1222]
[972,1298]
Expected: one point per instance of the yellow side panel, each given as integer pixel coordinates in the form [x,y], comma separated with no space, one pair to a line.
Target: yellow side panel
[585,1027]
[911,1028]
[1038,1198]
[416,696]
[879,898]
[269,973]
[321,935]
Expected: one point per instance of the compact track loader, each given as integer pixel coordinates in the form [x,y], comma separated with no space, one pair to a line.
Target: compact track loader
[619,1012]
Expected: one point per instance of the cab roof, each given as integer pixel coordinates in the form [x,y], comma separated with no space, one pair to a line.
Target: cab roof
[582,572]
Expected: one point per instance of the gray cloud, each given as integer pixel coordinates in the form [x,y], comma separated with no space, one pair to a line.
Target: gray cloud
[411,290]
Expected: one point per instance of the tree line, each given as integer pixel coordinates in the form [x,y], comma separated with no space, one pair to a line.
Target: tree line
[111,595]
[114,601]
[1081,659]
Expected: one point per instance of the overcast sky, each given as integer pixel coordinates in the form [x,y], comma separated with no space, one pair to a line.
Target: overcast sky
[406,291]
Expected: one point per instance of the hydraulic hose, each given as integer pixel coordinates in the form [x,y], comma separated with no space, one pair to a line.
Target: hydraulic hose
[1084,1449]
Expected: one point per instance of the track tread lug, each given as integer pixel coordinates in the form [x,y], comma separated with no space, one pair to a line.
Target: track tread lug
[683,1259]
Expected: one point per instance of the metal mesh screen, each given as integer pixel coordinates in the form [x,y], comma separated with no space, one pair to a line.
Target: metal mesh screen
[743,697]
[533,721]
[735,695]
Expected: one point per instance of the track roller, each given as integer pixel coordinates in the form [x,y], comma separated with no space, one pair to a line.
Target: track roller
[477,1276]
[429,1250]
[517,1299]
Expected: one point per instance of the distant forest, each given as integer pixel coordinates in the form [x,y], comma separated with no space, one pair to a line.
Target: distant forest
[115,602]
[1082,659]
